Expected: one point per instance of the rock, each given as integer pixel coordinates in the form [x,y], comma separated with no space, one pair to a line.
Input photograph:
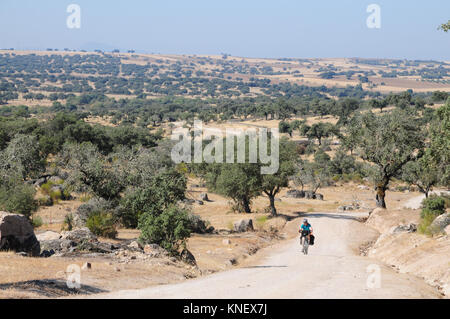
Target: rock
[363,187]
[440,223]
[154,250]
[199,202]
[231,262]
[310,195]
[40,181]
[204,197]
[346,208]
[78,235]
[447,230]
[134,245]
[243,225]
[411,228]
[319,196]
[48,245]
[294,193]
[66,244]
[17,234]
[22,254]
[226,242]
[47,253]
[187,257]
[188,201]
[86,266]
[48,235]
[198,225]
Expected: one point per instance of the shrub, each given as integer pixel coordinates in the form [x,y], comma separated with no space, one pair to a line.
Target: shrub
[36,221]
[56,194]
[102,224]
[85,198]
[432,207]
[168,229]
[18,199]
[68,222]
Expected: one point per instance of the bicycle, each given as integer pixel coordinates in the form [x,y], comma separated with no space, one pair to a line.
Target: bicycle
[305,243]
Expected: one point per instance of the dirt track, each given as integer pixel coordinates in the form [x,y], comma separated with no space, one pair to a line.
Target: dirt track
[333,269]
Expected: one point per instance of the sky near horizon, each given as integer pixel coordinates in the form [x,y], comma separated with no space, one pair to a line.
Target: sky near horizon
[250,28]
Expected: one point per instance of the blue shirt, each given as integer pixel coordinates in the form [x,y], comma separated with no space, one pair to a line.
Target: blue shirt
[306,227]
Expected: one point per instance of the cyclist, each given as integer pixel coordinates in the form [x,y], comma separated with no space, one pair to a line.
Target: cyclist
[306,230]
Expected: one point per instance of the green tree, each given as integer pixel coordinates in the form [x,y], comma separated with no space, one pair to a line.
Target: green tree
[389,141]
[271,184]
[440,142]
[168,229]
[152,196]
[285,127]
[445,26]
[23,156]
[239,181]
[423,173]
[321,130]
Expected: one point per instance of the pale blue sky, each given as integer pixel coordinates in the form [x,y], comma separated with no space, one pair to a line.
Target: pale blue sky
[252,28]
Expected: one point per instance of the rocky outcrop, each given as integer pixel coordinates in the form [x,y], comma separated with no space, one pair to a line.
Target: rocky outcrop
[17,234]
[48,235]
[243,225]
[440,223]
[199,226]
[295,193]
[411,228]
[401,246]
[187,257]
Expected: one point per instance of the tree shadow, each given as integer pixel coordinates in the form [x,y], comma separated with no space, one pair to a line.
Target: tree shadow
[333,216]
[51,288]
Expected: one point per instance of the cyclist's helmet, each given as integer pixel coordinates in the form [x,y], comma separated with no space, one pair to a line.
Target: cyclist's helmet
[305,220]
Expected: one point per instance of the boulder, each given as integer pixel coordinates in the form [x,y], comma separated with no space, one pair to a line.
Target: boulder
[440,223]
[363,187]
[48,235]
[86,266]
[199,226]
[188,201]
[79,235]
[447,230]
[411,228]
[243,225]
[204,197]
[310,195]
[294,193]
[187,257]
[17,234]
[134,245]
[319,196]
[48,246]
